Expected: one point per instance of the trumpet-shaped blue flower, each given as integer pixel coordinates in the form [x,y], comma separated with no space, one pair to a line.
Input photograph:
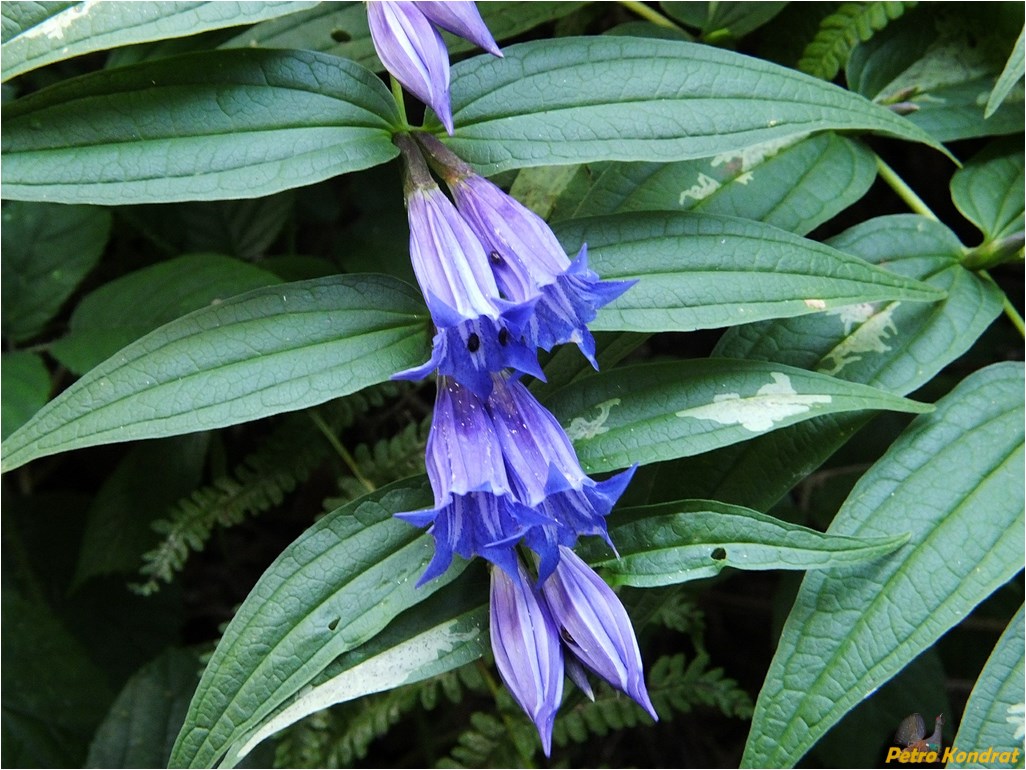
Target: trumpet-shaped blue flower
[528,654]
[595,627]
[527,259]
[478,332]
[546,474]
[574,613]
[412,50]
[476,512]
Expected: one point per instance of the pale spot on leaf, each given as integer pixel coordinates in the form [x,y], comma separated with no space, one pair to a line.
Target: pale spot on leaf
[815,304]
[581,428]
[750,157]
[1017,718]
[771,403]
[870,337]
[703,188]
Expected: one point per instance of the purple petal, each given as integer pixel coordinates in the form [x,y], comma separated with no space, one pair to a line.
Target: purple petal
[463,453]
[462,19]
[477,332]
[527,649]
[413,51]
[595,627]
[538,452]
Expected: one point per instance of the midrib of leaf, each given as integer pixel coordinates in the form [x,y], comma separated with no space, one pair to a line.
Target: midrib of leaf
[269,357]
[259,669]
[918,551]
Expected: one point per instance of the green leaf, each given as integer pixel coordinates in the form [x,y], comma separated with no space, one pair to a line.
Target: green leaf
[993,717]
[896,346]
[117,524]
[988,190]
[719,20]
[572,100]
[842,30]
[340,583]
[1014,69]
[341,28]
[269,351]
[954,479]
[47,251]
[447,630]
[794,184]
[25,383]
[938,64]
[54,693]
[681,408]
[239,228]
[129,307]
[724,272]
[212,125]
[72,29]
[139,729]
[691,539]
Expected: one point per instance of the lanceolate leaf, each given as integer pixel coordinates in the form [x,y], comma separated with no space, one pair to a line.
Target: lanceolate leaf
[896,346]
[340,583]
[993,717]
[724,272]
[47,251]
[32,39]
[795,184]
[271,350]
[206,126]
[562,101]
[954,480]
[447,630]
[340,28]
[1010,75]
[681,408]
[139,728]
[691,539]
[123,310]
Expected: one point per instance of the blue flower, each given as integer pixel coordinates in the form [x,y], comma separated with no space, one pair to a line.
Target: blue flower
[546,475]
[595,627]
[527,649]
[478,332]
[526,258]
[476,512]
[412,50]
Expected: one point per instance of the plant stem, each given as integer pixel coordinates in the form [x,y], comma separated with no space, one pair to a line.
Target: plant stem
[915,203]
[904,192]
[347,458]
[1010,311]
[400,101]
[494,688]
[648,14]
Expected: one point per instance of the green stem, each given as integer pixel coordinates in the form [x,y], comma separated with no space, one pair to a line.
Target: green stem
[347,458]
[648,14]
[904,192]
[1010,311]
[915,203]
[400,101]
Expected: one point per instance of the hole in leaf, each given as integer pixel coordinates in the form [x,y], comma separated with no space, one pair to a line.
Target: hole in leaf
[340,36]
[719,554]
[334,624]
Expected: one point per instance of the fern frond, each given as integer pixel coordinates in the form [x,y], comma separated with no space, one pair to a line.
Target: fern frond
[841,31]
[488,743]
[675,687]
[260,482]
[340,736]
[387,460]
